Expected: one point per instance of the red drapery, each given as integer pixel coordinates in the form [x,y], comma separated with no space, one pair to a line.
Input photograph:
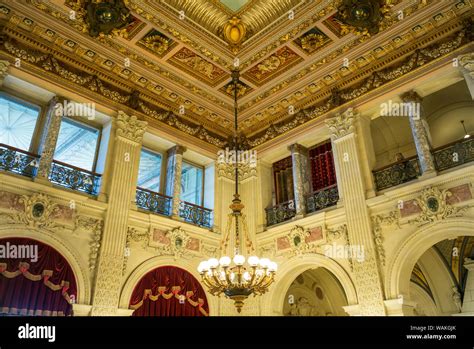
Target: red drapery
[323,173]
[46,287]
[169,291]
[283,179]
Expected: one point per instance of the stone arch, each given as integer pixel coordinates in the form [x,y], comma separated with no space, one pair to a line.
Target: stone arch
[77,264]
[273,301]
[161,261]
[400,266]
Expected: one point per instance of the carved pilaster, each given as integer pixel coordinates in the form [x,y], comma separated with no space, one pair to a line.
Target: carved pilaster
[419,129]
[126,155]
[173,177]
[351,185]
[301,179]
[468,301]
[4,65]
[466,65]
[49,138]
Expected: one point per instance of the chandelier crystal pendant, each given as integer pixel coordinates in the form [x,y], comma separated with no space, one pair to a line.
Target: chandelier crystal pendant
[240,274]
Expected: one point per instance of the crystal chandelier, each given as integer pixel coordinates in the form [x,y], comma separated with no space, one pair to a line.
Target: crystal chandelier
[237,277]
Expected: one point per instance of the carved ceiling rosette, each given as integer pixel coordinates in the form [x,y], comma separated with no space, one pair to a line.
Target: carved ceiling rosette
[364,17]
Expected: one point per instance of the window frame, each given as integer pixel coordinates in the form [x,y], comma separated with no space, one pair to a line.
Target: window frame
[160,184]
[202,180]
[80,123]
[22,100]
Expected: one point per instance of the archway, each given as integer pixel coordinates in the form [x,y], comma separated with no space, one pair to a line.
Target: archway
[35,279]
[402,264]
[273,302]
[168,291]
[315,292]
[78,265]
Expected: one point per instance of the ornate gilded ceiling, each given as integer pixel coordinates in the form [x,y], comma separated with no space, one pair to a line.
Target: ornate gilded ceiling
[170,60]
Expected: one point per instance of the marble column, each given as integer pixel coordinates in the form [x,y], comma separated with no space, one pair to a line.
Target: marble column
[366,270]
[466,65]
[4,65]
[468,300]
[301,177]
[126,153]
[173,177]
[419,129]
[49,138]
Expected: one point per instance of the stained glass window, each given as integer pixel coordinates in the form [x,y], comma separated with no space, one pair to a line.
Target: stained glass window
[191,183]
[17,123]
[77,145]
[149,170]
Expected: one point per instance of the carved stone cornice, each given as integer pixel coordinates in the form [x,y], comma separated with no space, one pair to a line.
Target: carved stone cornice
[129,127]
[411,97]
[4,65]
[342,124]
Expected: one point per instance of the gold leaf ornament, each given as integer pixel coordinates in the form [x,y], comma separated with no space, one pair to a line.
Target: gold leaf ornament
[234,31]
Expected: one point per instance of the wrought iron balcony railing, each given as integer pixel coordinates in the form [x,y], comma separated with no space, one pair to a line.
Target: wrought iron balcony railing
[153,201]
[394,174]
[195,214]
[281,212]
[322,198]
[74,178]
[18,161]
[454,154]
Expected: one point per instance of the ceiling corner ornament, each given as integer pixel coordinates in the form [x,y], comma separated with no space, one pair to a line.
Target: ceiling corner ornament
[103,17]
[434,206]
[364,17]
[342,124]
[234,32]
[130,127]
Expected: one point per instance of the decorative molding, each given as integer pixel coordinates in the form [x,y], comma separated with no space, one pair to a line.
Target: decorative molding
[128,126]
[95,227]
[377,221]
[246,170]
[467,63]
[337,233]
[434,206]
[297,238]
[342,124]
[4,67]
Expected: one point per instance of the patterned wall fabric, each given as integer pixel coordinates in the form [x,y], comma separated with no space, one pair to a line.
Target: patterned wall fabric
[323,173]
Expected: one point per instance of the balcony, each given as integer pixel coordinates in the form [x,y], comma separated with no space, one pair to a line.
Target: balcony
[397,173]
[322,198]
[454,154]
[195,214]
[153,201]
[74,178]
[281,212]
[18,161]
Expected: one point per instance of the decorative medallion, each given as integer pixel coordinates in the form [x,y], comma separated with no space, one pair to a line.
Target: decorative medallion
[363,17]
[157,43]
[312,41]
[234,33]
[106,17]
[242,89]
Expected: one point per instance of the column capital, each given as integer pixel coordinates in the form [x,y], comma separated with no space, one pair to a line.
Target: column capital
[297,148]
[342,124]
[129,127]
[4,66]
[177,150]
[411,96]
[466,62]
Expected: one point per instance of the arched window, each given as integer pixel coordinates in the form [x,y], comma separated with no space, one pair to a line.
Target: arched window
[169,291]
[35,279]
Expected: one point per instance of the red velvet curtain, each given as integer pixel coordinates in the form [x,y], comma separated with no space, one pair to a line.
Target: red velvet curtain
[169,291]
[46,287]
[323,173]
[283,179]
